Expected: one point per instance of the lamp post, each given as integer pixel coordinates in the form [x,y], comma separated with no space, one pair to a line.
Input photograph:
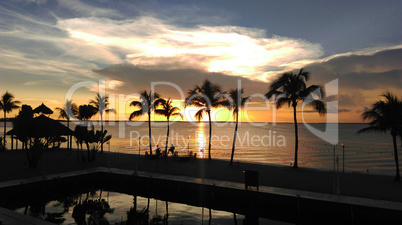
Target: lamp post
[108,158]
[139,145]
[334,180]
[188,146]
[343,158]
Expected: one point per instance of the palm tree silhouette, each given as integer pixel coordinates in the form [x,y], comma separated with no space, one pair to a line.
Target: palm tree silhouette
[206,97]
[290,89]
[86,112]
[101,103]
[386,116]
[167,111]
[7,104]
[146,105]
[237,102]
[64,113]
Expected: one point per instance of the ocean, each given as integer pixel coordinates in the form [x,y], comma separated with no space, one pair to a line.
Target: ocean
[261,143]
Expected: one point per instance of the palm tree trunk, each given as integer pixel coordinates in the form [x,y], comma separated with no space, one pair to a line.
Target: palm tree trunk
[397,177]
[4,140]
[167,138]
[167,211]
[89,152]
[149,133]
[296,137]
[135,203]
[210,136]
[68,136]
[102,132]
[234,139]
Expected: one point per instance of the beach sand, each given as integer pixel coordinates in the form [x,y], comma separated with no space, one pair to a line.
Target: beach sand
[13,165]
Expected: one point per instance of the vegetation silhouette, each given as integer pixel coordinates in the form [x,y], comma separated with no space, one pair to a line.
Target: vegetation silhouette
[146,105]
[7,104]
[92,139]
[167,111]
[64,113]
[290,88]
[237,102]
[101,103]
[386,115]
[206,97]
[96,207]
[37,133]
[86,112]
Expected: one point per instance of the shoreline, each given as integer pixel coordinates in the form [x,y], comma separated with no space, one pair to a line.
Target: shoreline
[382,187]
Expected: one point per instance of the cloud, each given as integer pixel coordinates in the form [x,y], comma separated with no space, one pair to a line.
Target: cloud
[379,70]
[362,77]
[344,110]
[88,10]
[133,79]
[146,41]
[329,111]
[362,111]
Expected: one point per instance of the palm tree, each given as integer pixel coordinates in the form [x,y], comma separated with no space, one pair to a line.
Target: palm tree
[167,111]
[101,103]
[7,104]
[237,102]
[290,88]
[386,116]
[146,105]
[206,97]
[64,113]
[86,112]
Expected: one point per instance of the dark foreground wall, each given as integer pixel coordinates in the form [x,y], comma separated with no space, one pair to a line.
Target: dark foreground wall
[250,203]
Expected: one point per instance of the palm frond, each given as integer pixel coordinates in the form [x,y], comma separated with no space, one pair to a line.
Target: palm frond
[273,93]
[160,112]
[7,103]
[136,104]
[313,90]
[200,114]
[319,106]
[374,129]
[281,81]
[62,113]
[282,101]
[177,114]
[110,111]
[136,114]
[371,115]
[304,74]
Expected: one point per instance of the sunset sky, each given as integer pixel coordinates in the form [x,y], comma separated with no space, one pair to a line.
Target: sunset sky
[49,46]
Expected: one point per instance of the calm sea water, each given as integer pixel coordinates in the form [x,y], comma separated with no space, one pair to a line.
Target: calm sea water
[260,143]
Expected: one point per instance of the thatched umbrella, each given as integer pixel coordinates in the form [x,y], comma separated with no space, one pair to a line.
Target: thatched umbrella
[43,109]
[41,126]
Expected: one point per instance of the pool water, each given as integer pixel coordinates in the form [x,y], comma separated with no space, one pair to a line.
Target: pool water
[105,207]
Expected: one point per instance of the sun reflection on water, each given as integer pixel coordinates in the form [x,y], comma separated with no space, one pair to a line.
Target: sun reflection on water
[200,141]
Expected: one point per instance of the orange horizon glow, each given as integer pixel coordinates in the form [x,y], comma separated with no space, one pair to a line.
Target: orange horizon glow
[283,115]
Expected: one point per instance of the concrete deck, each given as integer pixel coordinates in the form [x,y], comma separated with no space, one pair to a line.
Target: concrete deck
[10,217]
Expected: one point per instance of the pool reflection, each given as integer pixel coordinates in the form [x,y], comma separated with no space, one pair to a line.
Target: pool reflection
[119,208]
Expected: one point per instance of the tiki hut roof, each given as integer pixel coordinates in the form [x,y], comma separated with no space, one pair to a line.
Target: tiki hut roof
[43,126]
[43,109]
